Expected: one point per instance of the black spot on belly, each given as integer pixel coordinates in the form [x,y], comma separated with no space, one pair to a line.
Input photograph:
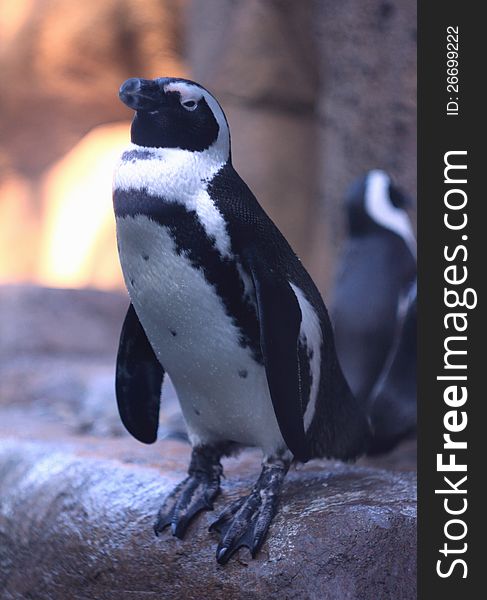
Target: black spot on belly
[197,411]
[191,239]
[243,373]
[145,256]
[173,333]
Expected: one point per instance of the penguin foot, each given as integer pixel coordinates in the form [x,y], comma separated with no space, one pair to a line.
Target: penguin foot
[245,522]
[194,494]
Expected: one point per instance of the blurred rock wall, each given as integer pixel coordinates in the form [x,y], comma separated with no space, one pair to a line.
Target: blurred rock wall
[316,92]
[367,107]
[61,64]
[64,62]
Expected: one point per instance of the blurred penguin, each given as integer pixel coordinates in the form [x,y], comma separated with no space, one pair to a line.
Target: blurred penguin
[393,399]
[375,275]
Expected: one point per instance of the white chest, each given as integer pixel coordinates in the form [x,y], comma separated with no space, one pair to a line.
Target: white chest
[222,390]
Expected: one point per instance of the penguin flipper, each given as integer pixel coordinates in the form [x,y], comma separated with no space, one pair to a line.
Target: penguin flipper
[138,381]
[280,322]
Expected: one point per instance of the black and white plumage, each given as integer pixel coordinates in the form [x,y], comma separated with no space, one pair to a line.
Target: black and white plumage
[220,302]
[392,404]
[375,275]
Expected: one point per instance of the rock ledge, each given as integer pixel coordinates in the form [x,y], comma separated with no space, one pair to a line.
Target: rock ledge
[73,525]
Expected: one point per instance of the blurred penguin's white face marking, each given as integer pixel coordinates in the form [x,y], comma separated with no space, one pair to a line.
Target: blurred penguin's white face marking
[193,93]
[380,208]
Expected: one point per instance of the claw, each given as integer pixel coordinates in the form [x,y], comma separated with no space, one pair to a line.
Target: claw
[245,540]
[220,556]
[161,523]
[193,495]
[246,521]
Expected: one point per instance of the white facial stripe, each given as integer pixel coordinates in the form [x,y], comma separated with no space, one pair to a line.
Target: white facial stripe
[194,92]
[180,176]
[310,333]
[380,208]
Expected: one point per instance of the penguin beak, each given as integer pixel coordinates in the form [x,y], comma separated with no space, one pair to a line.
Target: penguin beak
[140,94]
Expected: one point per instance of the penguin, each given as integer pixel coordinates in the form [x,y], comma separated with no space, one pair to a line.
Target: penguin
[375,273]
[393,400]
[220,302]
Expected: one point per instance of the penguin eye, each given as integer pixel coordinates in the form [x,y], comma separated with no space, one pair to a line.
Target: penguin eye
[189,104]
[398,199]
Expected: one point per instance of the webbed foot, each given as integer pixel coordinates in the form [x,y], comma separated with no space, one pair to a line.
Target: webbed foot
[246,521]
[194,494]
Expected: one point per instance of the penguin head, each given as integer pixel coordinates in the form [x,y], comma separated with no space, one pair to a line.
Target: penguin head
[176,113]
[374,202]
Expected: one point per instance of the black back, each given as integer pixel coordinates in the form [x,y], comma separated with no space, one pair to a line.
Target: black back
[340,428]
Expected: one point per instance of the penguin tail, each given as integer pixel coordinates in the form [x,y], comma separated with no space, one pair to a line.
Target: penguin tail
[340,427]
[393,417]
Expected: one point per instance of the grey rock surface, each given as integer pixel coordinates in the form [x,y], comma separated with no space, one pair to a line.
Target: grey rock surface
[57,354]
[59,322]
[79,527]
[57,357]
